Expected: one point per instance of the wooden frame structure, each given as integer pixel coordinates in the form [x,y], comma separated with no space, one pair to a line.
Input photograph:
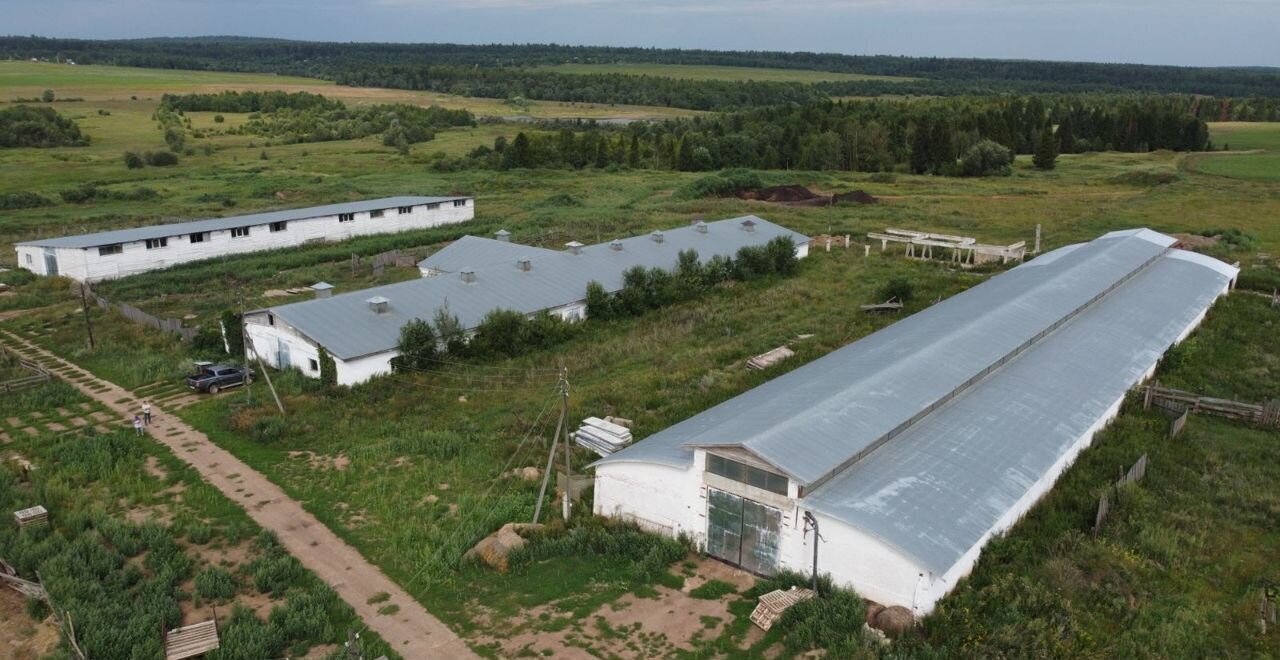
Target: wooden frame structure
[963,249]
[774,603]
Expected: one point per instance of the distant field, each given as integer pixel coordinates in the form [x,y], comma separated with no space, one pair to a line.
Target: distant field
[736,73]
[1264,166]
[115,83]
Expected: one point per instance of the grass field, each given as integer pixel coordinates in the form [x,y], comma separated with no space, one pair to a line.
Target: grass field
[115,84]
[1260,141]
[423,455]
[708,72]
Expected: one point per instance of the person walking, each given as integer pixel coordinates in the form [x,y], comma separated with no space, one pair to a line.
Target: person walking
[146,413]
[137,424]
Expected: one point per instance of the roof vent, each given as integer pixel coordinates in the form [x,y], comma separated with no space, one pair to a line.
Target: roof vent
[656,236]
[574,247]
[379,304]
[700,227]
[322,289]
[468,275]
[503,235]
[616,244]
[524,264]
[748,225]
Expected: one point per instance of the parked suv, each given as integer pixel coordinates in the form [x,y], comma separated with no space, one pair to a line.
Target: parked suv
[212,378]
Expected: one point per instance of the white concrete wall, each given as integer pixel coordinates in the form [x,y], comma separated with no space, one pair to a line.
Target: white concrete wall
[657,497]
[87,264]
[358,370]
[31,258]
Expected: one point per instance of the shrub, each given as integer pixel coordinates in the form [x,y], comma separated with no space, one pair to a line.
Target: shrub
[599,302]
[133,160]
[898,287]
[883,177]
[23,200]
[987,158]
[274,572]
[713,590]
[161,158]
[328,370]
[722,184]
[47,96]
[215,584]
[218,119]
[25,126]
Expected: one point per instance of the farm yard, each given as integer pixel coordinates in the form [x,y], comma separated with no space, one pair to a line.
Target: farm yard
[414,468]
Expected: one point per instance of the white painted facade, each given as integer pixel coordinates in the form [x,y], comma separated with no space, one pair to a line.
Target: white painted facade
[114,260]
[281,346]
[673,501]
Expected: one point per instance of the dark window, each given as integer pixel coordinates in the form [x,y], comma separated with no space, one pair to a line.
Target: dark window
[239,232]
[743,473]
[375,214]
[432,207]
[153,243]
[225,372]
[108,250]
[405,210]
[278,226]
[315,366]
[346,217]
[198,237]
[459,202]
[271,319]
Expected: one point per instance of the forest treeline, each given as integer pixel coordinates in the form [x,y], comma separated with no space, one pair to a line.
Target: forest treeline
[930,136]
[27,126]
[501,71]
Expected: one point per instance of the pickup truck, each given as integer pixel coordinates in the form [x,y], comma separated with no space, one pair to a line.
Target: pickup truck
[213,378]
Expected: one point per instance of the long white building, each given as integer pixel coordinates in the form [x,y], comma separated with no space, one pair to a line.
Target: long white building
[915,445]
[122,252]
[472,277]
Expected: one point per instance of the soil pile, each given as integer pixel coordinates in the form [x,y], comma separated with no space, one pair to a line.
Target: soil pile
[855,197]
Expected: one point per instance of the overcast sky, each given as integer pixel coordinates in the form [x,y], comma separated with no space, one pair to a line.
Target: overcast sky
[1199,32]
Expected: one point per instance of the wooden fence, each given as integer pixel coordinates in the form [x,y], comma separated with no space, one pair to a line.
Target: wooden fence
[1180,401]
[1132,476]
[138,316]
[39,375]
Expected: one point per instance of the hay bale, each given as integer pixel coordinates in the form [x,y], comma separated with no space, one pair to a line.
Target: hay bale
[894,620]
[495,548]
[873,609]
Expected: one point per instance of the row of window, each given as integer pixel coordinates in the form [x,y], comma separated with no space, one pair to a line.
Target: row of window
[241,232]
[743,473]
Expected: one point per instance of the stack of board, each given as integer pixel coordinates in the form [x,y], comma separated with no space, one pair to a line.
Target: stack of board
[766,360]
[601,436]
[32,517]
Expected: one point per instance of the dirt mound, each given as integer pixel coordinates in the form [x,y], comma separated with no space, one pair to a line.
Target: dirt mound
[855,197]
[1195,241]
[792,193]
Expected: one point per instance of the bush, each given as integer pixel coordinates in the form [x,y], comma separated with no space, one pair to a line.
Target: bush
[47,96]
[713,590]
[25,126]
[23,200]
[161,158]
[883,177]
[133,160]
[417,346]
[215,584]
[722,184]
[987,158]
[274,573]
[218,119]
[898,287]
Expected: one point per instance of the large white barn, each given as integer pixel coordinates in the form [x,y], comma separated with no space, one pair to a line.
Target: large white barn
[472,277]
[915,445]
[122,252]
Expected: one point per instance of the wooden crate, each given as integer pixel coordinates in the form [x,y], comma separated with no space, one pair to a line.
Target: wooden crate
[774,603]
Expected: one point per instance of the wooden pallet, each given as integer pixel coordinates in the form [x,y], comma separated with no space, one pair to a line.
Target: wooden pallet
[774,603]
[191,641]
[32,517]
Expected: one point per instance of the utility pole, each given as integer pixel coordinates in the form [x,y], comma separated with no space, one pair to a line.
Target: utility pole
[84,305]
[563,386]
[811,522]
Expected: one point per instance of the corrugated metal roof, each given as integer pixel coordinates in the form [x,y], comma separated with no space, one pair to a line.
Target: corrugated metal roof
[937,486]
[344,326]
[478,252]
[222,224]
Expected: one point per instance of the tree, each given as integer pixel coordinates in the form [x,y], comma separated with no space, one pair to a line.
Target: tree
[520,154]
[417,346]
[633,153]
[986,158]
[233,332]
[1046,156]
[47,96]
[450,331]
[599,303]
[328,369]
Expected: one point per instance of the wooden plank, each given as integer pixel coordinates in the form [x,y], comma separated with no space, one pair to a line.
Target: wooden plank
[191,641]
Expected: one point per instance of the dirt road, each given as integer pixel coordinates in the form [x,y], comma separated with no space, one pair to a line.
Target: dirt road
[412,631]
